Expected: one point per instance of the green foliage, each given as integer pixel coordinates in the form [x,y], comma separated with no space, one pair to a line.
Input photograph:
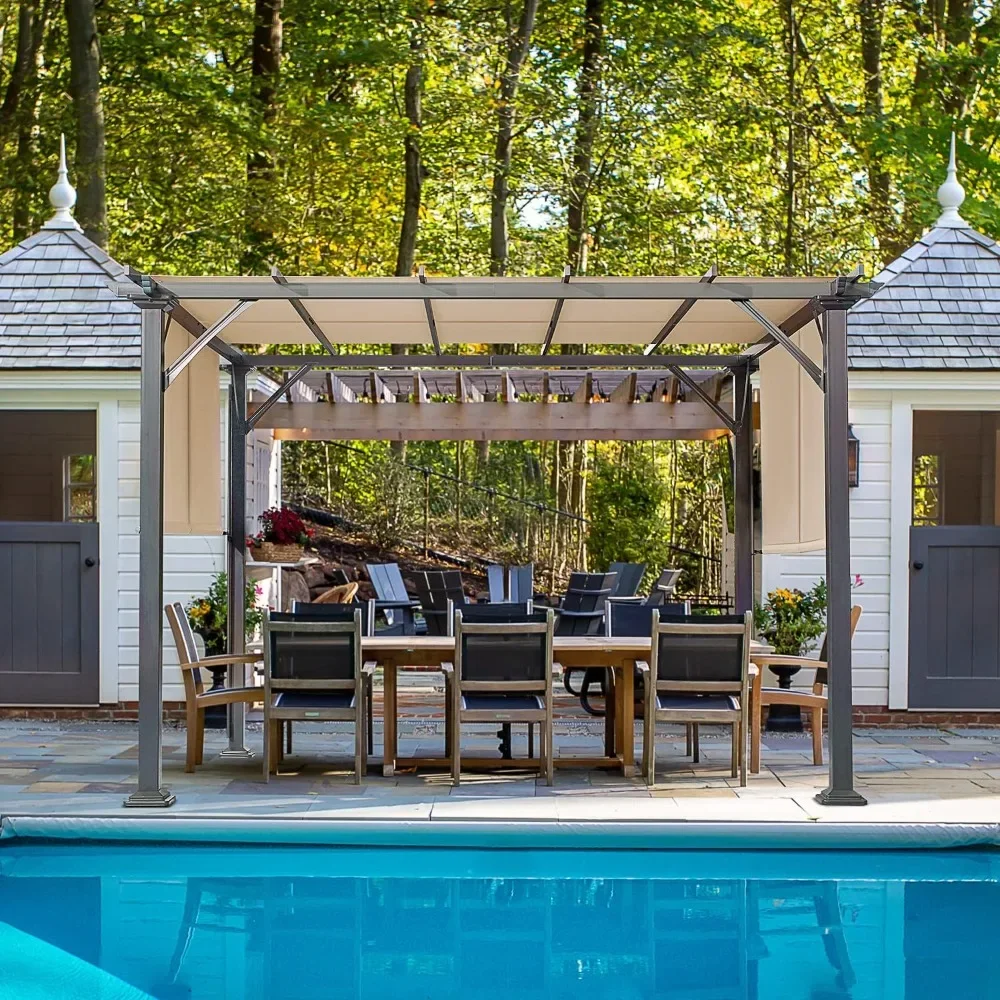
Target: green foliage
[627,518]
[209,614]
[791,620]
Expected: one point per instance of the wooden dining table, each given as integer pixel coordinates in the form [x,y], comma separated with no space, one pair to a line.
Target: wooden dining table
[616,654]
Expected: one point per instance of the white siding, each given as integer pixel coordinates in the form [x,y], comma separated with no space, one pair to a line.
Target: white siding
[871,417]
[189,563]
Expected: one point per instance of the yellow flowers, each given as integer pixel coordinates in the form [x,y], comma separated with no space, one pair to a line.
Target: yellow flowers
[787,596]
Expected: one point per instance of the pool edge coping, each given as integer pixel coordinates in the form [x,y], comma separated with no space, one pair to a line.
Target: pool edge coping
[507,833]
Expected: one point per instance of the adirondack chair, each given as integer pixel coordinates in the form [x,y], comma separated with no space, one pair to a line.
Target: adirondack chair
[521,583]
[439,591]
[629,577]
[391,597]
[581,610]
[663,589]
[494,580]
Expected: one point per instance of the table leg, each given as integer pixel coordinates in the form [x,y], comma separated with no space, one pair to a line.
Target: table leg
[628,719]
[389,748]
[611,716]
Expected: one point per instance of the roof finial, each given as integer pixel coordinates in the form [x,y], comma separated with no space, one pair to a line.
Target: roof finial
[62,196]
[950,196]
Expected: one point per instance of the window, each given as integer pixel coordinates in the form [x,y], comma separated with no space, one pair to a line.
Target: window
[79,488]
[927,490]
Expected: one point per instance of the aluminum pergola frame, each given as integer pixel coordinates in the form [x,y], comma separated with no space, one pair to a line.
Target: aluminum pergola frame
[826,304]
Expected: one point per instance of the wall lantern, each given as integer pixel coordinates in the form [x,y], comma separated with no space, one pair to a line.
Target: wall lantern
[853,457]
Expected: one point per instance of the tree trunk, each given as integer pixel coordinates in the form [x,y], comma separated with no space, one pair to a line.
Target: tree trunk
[414,172]
[85,88]
[517,45]
[588,88]
[20,111]
[791,66]
[872,13]
[265,67]
[25,53]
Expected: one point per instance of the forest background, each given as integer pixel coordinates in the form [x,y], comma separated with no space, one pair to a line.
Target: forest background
[367,137]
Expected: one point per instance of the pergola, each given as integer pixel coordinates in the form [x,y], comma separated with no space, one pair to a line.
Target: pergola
[649,394]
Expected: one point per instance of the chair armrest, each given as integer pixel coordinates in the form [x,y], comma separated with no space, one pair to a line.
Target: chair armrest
[448,668]
[779,660]
[223,658]
[369,667]
[642,666]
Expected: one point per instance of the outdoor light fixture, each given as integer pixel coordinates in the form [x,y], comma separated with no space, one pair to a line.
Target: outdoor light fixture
[853,457]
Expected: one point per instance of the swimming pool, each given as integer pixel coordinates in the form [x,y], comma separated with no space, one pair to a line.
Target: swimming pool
[118,921]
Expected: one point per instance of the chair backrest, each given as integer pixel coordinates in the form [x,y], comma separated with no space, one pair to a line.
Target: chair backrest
[187,650]
[582,607]
[494,581]
[701,652]
[387,581]
[342,593]
[663,589]
[438,591]
[516,655]
[630,619]
[312,653]
[311,611]
[822,674]
[521,583]
[477,614]
[629,577]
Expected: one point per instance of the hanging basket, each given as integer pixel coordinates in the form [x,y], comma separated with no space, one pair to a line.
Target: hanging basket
[272,552]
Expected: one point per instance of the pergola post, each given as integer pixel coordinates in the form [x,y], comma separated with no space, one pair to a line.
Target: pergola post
[840,791]
[150,791]
[236,549]
[743,489]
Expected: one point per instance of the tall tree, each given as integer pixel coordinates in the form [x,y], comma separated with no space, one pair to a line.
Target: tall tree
[85,88]
[265,66]
[413,166]
[588,96]
[517,43]
[871,18]
[20,112]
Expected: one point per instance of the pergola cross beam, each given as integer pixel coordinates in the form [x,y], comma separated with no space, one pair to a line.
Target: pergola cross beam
[679,313]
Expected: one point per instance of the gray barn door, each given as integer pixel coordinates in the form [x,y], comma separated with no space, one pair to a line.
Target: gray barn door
[49,603]
[955,617]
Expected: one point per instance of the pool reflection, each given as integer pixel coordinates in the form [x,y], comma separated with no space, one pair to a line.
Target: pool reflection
[307,937]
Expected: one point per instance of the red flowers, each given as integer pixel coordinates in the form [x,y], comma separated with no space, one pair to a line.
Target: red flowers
[282,526]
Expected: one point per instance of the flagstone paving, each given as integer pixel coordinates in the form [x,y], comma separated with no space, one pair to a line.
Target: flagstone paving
[918,775]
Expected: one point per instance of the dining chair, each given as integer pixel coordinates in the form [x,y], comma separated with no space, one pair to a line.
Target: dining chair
[814,700]
[502,672]
[313,671]
[698,672]
[196,697]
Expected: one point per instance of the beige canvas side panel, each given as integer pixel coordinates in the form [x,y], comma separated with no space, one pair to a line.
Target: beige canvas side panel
[191,452]
[791,450]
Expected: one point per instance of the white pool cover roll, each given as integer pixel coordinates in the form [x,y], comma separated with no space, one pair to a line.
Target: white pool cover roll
[489,833]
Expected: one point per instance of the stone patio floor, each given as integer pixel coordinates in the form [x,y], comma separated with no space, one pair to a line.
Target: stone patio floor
[917,775]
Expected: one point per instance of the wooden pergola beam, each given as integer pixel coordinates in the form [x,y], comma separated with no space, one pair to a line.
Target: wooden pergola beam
[494,421]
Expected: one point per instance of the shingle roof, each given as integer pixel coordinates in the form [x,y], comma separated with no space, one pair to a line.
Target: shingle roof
[56,310]
[939,309]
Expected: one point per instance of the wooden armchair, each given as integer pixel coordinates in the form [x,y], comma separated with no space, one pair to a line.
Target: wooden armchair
[197,698]
[815,700]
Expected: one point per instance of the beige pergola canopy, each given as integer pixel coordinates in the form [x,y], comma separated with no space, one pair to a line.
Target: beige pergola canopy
[655,392]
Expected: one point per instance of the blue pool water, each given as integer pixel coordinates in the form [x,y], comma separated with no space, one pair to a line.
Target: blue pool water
[109,922]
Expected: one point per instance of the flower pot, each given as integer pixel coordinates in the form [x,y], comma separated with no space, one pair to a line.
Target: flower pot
[272,552]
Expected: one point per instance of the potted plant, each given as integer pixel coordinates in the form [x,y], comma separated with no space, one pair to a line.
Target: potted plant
[791,620]
[282,538]
[208,615]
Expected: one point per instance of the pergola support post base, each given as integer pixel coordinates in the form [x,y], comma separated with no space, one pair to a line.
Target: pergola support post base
[237,753]
[840,797]
[159,799]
